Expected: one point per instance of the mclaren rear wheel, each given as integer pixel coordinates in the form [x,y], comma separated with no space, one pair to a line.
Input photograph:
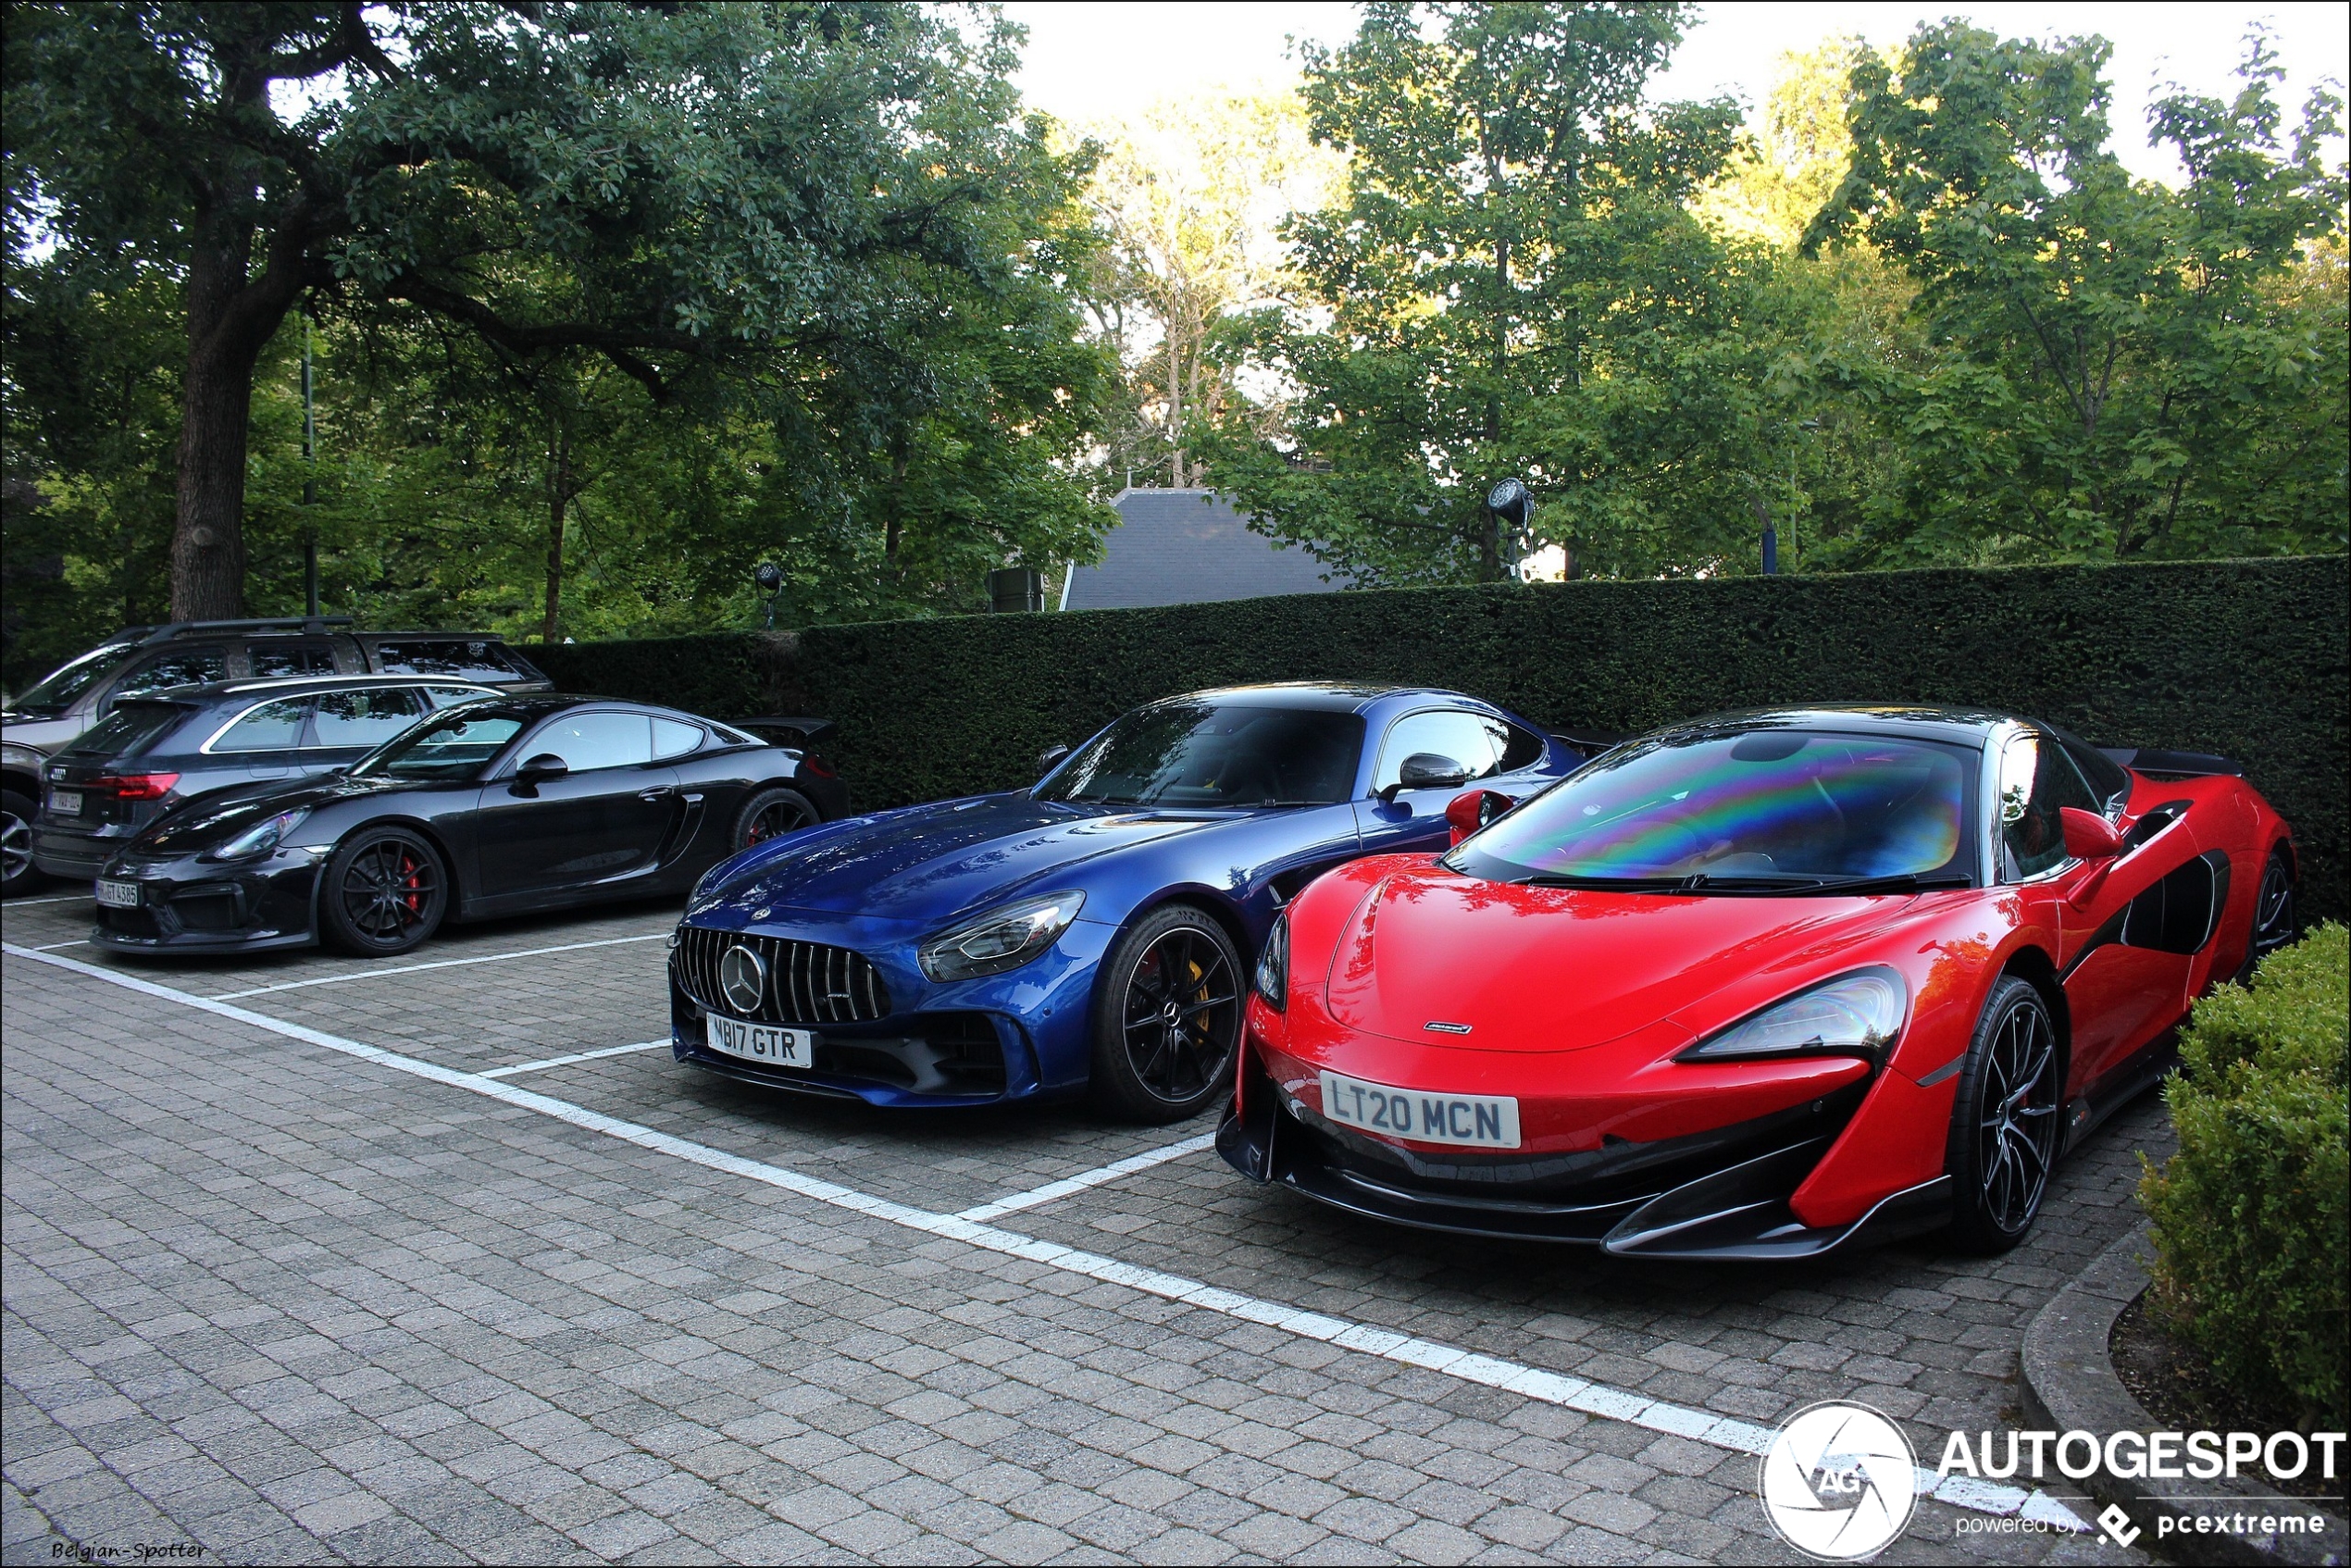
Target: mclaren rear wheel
[1167,1018]
[386,891]
[2005,1119]
[2276,921]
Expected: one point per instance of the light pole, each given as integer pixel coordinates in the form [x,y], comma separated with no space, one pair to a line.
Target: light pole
[309,480]
[770,579]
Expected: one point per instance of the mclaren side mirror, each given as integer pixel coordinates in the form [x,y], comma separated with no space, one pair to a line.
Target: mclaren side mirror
[2089,836]
[544,768]
[1472,809]
[1425,770]
[1046,758]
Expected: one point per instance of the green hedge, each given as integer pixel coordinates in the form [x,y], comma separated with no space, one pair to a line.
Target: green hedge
[2246,658]
[2253,1215]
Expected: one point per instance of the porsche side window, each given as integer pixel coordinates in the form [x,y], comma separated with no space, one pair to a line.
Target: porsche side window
[1472,739]
[449,696]
[589,741]
[672,739]
[2037,780]
[269,728]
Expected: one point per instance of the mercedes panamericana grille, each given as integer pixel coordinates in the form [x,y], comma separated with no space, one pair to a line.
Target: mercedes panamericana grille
[1756,986]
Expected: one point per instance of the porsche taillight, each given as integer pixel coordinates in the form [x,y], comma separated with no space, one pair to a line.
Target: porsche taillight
[134,786]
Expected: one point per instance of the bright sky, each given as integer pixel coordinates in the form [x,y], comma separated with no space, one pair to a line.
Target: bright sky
[1099,60]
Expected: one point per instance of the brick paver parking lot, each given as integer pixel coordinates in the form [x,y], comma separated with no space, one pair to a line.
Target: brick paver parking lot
[274,1296]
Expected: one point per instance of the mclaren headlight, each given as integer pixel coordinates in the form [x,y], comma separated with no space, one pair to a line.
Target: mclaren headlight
[259,839]
[1000,939]
[1273,966]
[1855,1014]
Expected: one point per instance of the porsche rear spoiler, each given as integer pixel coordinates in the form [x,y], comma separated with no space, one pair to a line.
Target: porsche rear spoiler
[788,729]
[2158,763]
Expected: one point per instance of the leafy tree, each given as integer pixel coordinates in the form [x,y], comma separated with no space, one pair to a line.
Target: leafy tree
[1191,193]
[2119,369]
[1512,285]
[705,198]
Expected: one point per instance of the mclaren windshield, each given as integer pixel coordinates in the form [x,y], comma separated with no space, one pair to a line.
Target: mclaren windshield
[1220,754]
[1762,810]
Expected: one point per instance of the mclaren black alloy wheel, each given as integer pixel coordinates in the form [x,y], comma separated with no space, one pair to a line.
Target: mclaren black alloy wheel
[1167,1018]
[769,814]
[2005,1120]
[386,891]
[2276,922]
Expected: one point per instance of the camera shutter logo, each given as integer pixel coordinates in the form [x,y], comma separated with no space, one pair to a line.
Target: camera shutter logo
[1839,1481]
[742,974]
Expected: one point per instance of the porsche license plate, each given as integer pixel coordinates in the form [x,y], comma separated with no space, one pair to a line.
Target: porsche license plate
[117,895]
[65,802]
[1485,1121]
[763,1043]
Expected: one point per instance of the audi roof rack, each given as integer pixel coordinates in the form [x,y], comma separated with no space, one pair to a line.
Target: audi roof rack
[314,624]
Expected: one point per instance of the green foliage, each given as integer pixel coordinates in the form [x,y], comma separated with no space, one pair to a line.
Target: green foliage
[2253,1213]
[2118,368]
[1512,285]
[2244,658]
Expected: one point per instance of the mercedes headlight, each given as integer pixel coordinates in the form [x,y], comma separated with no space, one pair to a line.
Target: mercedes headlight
[259,839]
[1856,1015]
[1273,964]
[1000,939]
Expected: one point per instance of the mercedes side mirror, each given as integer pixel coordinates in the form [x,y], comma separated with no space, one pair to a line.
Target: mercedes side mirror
[1049,757]
[2089,836]
[1425,770]
[544,768]
[1472,809]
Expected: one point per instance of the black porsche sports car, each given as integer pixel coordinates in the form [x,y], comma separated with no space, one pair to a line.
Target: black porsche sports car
[502,805]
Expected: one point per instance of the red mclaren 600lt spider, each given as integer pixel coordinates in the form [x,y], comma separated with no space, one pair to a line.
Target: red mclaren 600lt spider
[1756,986]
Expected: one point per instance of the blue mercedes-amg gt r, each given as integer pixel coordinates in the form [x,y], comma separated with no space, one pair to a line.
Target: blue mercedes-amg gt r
[1094,932]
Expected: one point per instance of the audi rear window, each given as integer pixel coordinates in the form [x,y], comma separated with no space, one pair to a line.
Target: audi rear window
[132,730]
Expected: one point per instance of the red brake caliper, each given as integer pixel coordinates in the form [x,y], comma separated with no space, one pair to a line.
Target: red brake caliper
[412,871]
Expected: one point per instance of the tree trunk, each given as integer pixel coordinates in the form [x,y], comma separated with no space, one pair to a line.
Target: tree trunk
[558,498]
[209,539]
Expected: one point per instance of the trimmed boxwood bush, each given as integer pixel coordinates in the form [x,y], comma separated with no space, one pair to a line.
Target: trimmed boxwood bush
[2251,1215]
[2244,658]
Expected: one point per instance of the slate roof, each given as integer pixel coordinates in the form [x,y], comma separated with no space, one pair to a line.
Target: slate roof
[1188,547]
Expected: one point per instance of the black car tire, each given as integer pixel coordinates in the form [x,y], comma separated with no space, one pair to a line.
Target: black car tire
[2276,922]
[1167,1018]
[769,813]
[2006,1119]
[17,871]
[385,893]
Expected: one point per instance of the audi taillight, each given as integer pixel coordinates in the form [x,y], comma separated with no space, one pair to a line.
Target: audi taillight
[135,786]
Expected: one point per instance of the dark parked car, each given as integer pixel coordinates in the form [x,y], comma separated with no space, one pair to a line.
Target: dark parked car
[504,806]
[152,753]
[141,660]
[1092,931]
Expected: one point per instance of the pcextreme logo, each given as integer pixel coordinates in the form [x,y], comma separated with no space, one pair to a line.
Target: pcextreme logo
[1839,1481]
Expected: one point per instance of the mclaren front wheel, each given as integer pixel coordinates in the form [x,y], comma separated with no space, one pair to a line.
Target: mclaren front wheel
[2005,1119]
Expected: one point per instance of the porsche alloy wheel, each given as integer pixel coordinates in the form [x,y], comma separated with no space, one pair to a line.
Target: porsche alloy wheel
[771,814]
[385,894]
[2004,1121]
[2274,919]
[1169,1019]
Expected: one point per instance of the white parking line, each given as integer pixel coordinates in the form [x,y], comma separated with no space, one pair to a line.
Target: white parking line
[78,941]
[59,898]
[438,964]
[1068,1185]
[1550,1387]
[575,1056]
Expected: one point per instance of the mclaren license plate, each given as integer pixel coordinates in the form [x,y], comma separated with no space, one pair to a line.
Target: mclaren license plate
[763,1043]
[117,895]
[1480,1121]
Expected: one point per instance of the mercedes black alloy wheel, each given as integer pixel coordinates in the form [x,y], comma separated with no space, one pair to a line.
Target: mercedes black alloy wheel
[1167,1023]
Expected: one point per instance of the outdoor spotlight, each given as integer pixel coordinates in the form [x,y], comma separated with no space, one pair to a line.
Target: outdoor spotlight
[770,579]
[1512,502]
